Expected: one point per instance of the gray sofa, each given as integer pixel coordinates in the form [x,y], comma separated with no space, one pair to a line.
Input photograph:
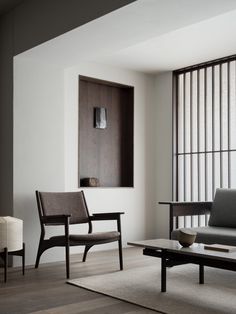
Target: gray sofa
[221,227]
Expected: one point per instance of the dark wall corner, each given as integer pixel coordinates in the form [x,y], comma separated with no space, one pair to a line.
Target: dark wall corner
[29,24]
[39,21]
[6,114]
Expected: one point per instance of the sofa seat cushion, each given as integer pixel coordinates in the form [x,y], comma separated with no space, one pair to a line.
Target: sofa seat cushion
[212,235]
[223,212]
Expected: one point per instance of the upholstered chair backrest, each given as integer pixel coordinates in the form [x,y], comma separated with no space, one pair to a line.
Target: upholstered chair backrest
[61,203]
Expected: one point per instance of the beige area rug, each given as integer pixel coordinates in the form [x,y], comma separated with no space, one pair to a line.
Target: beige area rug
[184,295]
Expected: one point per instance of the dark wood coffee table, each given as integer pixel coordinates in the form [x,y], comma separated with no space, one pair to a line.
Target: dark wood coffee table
[172,254]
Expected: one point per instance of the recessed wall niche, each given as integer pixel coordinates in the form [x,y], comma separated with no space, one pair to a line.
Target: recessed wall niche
[106,130]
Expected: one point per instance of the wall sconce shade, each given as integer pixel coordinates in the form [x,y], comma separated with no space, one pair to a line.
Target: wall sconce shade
[100,118]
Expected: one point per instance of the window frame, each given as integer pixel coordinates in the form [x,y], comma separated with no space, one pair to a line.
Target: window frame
[175,114]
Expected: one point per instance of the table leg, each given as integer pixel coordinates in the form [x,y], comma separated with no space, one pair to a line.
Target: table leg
[5,263]
[201,274]
[163,273]
[23,259]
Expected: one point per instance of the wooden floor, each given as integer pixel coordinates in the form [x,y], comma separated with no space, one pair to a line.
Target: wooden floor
[44,290]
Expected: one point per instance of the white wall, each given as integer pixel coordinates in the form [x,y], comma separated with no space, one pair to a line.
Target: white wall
[46,146]
[38,142]
[135,202]
[163,163]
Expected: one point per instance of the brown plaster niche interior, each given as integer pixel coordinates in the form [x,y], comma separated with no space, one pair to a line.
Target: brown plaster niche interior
[106,131]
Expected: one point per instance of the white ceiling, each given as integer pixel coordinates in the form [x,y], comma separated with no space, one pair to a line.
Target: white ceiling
[190,45]
[148,36]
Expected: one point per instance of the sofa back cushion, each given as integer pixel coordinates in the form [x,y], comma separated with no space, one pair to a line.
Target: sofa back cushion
[223,213]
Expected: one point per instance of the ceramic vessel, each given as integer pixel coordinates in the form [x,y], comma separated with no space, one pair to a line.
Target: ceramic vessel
[187,237]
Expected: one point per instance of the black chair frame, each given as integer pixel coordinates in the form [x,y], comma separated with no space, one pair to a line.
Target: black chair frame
[55,220]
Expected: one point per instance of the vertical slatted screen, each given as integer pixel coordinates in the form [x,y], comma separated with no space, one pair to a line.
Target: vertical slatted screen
[205,125]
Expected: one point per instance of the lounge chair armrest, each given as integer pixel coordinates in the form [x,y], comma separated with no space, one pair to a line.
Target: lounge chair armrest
[106,216]
[56,219]
[109,216]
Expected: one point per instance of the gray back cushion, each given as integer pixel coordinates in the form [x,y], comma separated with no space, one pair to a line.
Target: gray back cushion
[59,203]
[223,213]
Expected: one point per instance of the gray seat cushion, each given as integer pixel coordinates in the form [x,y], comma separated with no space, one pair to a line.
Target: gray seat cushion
[96,237]
[223,212]
[89,238]
[211,235]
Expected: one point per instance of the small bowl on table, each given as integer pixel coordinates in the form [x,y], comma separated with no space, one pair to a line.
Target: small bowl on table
[186,237]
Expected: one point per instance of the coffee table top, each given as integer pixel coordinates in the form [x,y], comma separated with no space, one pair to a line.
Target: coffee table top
[174,246]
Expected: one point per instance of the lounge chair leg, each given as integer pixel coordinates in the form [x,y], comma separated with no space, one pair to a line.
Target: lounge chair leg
[87,248]
[120,254]
[40,252]
[67,261]
[41,248]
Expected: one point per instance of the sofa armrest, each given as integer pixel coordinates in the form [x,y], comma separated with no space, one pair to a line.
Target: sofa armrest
[184,209]
[188,208]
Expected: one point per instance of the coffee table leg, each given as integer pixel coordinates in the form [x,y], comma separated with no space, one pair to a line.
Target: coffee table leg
[201,274]
[163,273]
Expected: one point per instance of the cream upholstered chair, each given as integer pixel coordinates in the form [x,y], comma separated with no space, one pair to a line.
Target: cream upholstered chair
[11,240]
[65,208]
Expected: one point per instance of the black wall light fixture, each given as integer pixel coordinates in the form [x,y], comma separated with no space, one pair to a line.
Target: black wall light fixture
[100,118]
